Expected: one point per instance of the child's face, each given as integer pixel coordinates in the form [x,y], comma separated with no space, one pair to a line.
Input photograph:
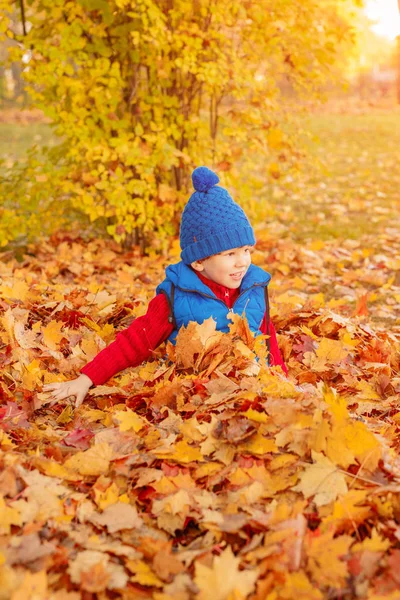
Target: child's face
[227,268]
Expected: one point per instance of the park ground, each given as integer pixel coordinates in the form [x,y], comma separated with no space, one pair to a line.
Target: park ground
[177,472]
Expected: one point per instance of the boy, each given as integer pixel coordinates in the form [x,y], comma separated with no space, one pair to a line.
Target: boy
[214,277]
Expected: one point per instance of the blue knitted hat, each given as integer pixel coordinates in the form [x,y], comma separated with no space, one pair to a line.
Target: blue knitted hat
[211,221]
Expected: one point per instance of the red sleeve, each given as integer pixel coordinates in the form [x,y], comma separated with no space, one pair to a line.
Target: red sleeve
[276,357]
[133,345]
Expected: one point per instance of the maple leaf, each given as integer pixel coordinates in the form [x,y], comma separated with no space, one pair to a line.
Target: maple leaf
[349,510]
[18,291]
[239,327]
[94,461]
[143,574]
[197,482]
[78,438]
[213,582]
[52,334]
[325,558]
[107,573]
[375,543]
[182,453]
[321,480]
[174,504]
[298,586]
[193,341]
[166,564]
[8,516]
[129,420]
[118,516]
[107,497]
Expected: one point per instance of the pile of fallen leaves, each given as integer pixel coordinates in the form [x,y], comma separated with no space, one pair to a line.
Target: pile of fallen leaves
[201,474]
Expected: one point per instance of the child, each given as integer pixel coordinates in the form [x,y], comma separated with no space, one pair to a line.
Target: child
[214,277]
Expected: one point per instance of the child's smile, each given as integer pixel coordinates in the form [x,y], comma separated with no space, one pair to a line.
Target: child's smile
[227,268]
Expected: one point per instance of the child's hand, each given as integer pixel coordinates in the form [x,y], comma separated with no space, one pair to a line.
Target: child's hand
[78,387]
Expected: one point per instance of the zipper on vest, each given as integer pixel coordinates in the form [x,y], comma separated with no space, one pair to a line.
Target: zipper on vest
[244,291]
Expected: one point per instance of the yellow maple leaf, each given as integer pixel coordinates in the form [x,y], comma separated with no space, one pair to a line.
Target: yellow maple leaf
[89,348]
[224,578]
[297,586]
[164,486]
[31,375]
[375,543]
[367,392]
[94,461]
[19,290]
[347,340]
[5,441]
[337,449]
[207,469]
[258,444]
[239,477]
[321,480]
[348,509]
[106,498]
[337,404]
[254,415]
[143,574]
[282,460]
[8,516]
[174,504]
[363,443]
[52,334]
[54,469]
[325,558]
[183,453]
[92,415]
[129,420]
[332,351]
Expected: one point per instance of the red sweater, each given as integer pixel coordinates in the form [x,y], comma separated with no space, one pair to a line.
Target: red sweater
[135,344]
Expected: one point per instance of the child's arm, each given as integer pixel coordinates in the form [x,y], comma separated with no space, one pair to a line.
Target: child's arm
[130,348]
[276,357]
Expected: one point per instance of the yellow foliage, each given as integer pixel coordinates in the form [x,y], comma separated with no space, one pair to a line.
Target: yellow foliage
[94,461]
[321,480]
[129,420]
[130,142]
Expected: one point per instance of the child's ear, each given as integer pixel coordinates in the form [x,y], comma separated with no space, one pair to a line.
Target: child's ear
[197,266]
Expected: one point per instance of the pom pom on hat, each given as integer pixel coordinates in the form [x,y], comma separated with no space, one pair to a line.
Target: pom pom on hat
[203,179]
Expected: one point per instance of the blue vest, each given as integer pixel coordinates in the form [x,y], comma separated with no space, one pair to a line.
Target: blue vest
[194,301]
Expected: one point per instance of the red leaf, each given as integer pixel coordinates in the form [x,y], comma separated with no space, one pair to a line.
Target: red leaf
[79,438]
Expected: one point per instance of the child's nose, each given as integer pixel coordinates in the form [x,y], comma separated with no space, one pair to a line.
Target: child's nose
[242,259]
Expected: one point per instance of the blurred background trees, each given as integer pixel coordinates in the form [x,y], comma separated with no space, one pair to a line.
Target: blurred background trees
[140,92]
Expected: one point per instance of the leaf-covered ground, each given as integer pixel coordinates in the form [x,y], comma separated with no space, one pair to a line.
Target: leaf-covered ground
[201,474]
[202,462]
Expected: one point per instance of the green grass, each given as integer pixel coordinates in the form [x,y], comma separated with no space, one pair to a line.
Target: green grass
[350,185]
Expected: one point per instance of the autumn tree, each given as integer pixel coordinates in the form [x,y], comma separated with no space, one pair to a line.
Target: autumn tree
[140,92]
